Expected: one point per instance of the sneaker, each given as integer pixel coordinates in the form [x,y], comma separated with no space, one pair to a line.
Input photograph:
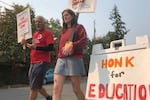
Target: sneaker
[49,98]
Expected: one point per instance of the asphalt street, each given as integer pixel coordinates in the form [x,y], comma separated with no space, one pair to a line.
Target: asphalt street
[21,92]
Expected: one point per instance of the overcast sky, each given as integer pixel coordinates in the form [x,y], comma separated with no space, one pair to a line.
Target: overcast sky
[135,13]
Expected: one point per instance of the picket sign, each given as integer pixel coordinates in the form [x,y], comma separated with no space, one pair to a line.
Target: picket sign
[82,6]
[120,73]
[24,30]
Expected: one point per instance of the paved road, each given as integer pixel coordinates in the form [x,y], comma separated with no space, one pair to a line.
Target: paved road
[21,93]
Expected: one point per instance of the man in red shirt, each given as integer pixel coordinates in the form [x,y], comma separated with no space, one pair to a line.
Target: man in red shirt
[42,44]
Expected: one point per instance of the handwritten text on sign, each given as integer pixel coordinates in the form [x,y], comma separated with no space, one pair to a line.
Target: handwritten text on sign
[115,78]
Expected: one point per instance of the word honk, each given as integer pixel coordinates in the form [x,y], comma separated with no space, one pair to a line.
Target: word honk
[118,62]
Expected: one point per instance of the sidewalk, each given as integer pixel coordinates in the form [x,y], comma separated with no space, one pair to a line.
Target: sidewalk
[21,93]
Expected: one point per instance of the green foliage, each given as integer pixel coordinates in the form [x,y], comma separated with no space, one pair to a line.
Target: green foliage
[55,26]
[8,34]
[119,29]
[119,26]
[87,52]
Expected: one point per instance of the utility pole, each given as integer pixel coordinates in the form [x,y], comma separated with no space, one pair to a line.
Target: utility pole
[94,37]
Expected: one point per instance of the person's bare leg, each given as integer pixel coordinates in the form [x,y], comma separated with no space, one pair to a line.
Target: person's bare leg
[76,87]
[58,86]
[33,94]
[43,92]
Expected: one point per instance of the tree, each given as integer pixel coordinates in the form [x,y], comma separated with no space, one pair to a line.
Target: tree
[119,28]
[55,26]
[8,34]
[87,52]
[11,52]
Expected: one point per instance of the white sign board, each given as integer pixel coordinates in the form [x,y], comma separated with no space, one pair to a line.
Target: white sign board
[120,73]
[24,25]
[82,6]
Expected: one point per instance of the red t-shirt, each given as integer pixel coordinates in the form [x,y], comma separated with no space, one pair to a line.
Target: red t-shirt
[43,38]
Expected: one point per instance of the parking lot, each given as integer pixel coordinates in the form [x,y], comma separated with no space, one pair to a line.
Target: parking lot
[21,92]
